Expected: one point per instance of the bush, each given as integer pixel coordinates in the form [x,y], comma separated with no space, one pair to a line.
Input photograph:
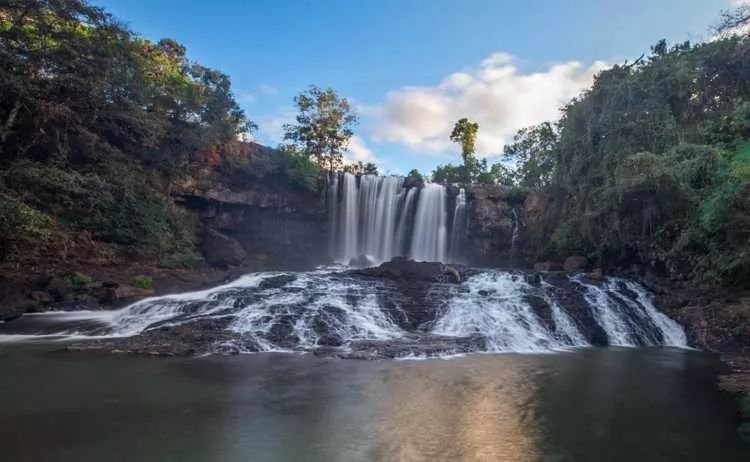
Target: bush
[566,238]
[142,282]
[301,171]
[136,219]
[80,280]
[21,223]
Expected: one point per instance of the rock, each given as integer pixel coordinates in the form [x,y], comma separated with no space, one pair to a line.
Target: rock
[575,264]
[11,312]
[361,261]
[191,338]
[221,250]
[401,269]
[330,340]
[59,287]
[547,266]
[276,282]
[127,293]
[596,275]
[41,296]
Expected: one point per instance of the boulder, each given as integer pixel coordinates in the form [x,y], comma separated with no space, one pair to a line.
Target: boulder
[403,270]
[575,264]
[221,250]
[59,287]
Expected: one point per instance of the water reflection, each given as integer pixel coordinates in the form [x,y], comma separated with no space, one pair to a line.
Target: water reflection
[594,404]
[468,410]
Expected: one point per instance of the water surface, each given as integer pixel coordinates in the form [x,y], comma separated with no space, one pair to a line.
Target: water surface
[592,404]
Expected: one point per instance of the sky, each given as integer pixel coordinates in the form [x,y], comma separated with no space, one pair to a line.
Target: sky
[411,68]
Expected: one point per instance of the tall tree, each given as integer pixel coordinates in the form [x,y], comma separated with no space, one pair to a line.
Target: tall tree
[324,126]
[465,133]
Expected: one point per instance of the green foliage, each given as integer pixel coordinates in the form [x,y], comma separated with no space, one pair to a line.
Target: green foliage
[21,223]
[79,280]
[566,238]
[143,282]
[324,126]
[450,174]
[302,171]
[96,123]
[136,219]
[652,163]
[532,151]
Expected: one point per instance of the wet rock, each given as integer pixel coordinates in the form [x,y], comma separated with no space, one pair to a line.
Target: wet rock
[401,269]
[412,346]
[191,338]
[276,282]
[330,340]
[575,264]
[221,250]
[596,275]
[542,310]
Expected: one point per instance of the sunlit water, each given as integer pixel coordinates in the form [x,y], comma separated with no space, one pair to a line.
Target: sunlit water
[598,404]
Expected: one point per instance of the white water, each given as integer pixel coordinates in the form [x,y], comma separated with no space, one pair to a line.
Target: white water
[278,311]
[378,217]
[458,226]
[430,234]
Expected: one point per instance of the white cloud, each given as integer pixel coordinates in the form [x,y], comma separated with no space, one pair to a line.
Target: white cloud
[358,151]
[496,95]
[268,89]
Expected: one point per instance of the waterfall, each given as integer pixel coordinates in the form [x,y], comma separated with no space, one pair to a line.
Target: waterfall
[349,219]
[429,238]
[378,217]
[491,311]
[458,226]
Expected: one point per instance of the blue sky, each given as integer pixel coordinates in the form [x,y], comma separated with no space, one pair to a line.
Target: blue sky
[412,67]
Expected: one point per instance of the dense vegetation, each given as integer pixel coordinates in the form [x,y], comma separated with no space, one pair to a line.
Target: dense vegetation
[652,164]
[96,123]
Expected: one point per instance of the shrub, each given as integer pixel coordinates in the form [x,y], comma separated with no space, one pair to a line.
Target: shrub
[80,279]
[21,223]
[136,219]
[142,282]
[301,171]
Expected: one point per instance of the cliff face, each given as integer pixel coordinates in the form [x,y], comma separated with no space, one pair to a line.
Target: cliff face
[259,227]
[495,213]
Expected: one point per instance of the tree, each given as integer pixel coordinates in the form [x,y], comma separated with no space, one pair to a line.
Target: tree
[361,167]
[324,126]
[733,20]
[465,133]
[532,151]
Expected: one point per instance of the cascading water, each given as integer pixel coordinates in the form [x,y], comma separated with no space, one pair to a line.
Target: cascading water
[430,234]
[458,226]
[491,311]
[378,217]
